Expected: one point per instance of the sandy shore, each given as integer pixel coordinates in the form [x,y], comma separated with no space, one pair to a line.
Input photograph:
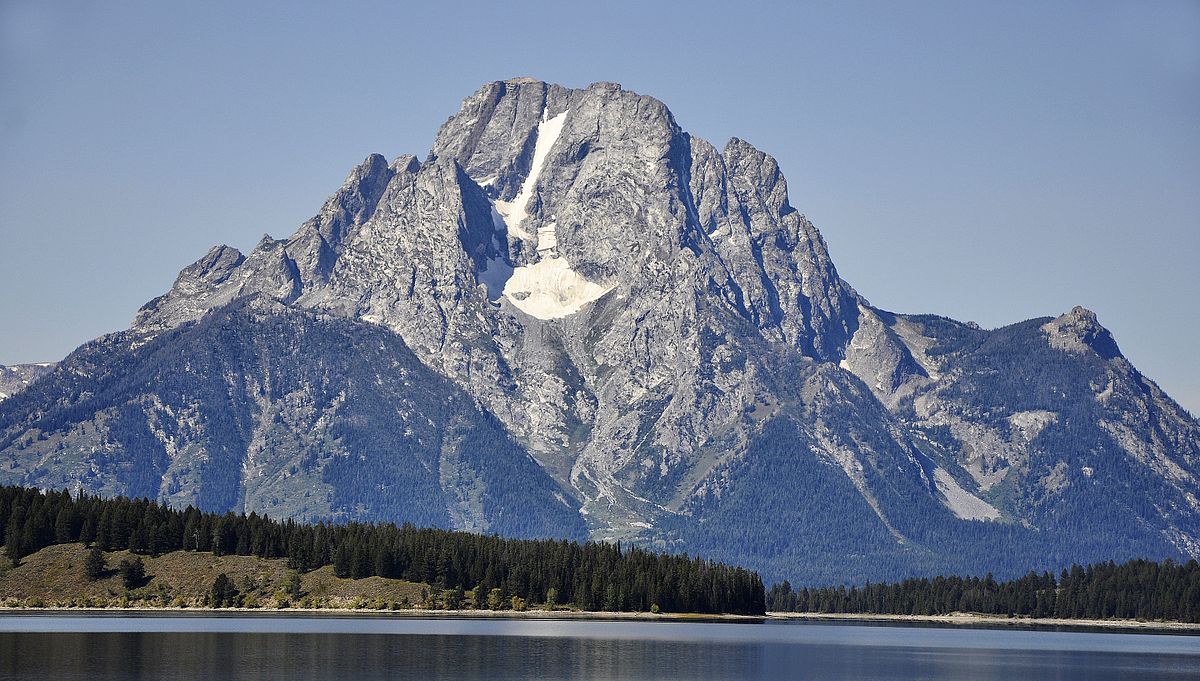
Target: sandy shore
[964,618]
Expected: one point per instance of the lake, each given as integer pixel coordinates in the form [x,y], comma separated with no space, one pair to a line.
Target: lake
[93,648]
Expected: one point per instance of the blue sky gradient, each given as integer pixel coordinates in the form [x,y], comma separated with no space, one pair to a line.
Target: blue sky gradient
[986,161]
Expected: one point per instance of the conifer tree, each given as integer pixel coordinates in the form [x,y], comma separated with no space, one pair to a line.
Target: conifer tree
[133,572]
[223,593]
[94,565]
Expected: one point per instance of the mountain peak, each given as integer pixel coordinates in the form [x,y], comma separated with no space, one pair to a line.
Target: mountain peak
[1079,331]
[647,318]
[524,80]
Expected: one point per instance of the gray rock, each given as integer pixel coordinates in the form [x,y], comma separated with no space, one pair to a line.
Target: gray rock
[17,377]
[655,324]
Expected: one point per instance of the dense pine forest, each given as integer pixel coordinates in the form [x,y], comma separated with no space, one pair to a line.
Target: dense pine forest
[1138,589]
[590,576]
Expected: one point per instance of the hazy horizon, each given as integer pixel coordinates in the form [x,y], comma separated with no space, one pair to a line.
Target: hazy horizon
[986,163]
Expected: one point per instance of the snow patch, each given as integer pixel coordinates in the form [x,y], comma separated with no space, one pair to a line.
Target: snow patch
[961,502]
[550,289]
[502,226]
[547,133]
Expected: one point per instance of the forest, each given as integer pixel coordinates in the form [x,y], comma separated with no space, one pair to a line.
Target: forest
[1137,589]
[589,575]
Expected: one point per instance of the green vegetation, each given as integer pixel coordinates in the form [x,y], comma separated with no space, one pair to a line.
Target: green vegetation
[511,572]
[94,566]
[224,593]
[1138,589]
[133,572]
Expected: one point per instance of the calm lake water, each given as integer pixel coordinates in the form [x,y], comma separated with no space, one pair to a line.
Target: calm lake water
[349,649]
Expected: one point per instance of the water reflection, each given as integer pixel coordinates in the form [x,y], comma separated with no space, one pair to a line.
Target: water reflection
[795,651]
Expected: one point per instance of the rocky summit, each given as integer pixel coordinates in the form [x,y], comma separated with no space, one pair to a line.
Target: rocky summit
[574,319]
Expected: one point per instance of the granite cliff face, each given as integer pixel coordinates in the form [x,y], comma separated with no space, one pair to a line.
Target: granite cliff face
[648,318]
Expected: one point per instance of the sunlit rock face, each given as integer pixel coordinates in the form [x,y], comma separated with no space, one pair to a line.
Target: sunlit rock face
[645,320]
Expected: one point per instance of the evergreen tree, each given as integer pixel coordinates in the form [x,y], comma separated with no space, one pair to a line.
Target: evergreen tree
[292,584]
[14,532]
[64,525]
[133,572]
[342,560]
[223,593]
[94,565]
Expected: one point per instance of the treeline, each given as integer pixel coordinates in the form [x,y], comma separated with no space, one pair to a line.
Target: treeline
[1137,589]
[590,576]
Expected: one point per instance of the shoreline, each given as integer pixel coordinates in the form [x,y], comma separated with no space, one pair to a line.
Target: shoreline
[411,613]
[992,621]
[959,619]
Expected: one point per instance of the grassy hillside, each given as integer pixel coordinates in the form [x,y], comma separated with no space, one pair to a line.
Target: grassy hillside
[55,577]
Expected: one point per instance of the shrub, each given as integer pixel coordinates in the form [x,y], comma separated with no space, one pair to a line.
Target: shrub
[495,599]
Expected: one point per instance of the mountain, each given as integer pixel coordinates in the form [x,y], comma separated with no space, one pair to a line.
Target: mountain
[642,340]
[16,377]
[262,408]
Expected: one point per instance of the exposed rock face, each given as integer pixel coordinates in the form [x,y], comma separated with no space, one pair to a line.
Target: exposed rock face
[17,377]
[1079,332]
[649,318]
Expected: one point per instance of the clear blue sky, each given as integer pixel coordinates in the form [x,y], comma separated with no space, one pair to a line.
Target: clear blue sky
[990,161]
